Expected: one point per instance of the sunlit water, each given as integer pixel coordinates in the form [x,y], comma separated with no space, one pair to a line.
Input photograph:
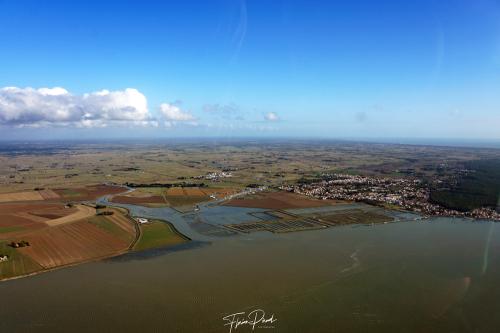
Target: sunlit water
[430,276]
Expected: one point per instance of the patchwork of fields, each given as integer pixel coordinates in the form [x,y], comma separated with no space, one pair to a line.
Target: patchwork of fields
[55,233]
[22,217]
[172,197]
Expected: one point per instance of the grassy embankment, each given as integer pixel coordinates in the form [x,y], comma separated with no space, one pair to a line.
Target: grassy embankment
[158,234]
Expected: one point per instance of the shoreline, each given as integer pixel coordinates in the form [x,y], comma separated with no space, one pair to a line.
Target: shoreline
[138,233]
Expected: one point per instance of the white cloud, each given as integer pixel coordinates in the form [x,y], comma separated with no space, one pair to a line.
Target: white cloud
[29,107]
[271,116]
[53,91]
[173,113]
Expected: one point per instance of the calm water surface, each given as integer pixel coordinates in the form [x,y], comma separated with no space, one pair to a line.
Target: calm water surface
[441,275]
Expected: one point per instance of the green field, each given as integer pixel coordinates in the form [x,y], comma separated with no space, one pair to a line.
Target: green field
[17,264]
[157,234]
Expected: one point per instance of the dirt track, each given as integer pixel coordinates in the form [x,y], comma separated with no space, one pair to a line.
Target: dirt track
[83,212]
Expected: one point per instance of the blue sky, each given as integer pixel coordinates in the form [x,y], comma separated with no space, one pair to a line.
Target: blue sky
[348,69]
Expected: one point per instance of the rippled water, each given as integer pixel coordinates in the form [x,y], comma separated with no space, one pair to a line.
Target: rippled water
[429,276]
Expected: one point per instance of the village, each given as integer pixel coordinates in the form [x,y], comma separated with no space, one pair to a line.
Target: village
[404,193]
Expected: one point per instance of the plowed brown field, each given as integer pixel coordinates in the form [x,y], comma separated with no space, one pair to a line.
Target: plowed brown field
[49,194]
[175,191]
[21,217]
[8,220]
[219,192]
[138,200]
[193,191]
[21,196]
[71,243]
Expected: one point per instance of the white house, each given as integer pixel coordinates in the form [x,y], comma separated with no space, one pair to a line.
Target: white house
[142,220]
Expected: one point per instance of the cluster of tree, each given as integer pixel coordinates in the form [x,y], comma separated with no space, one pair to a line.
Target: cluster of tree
[479,188]
[127,169]
[22,243]
[106,212]
[304,180]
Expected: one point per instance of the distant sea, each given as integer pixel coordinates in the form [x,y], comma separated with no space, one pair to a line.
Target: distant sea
[471,143]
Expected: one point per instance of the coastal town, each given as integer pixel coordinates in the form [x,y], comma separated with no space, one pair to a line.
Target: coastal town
[403,193]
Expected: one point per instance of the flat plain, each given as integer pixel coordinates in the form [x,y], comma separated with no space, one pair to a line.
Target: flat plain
[48,192]
[69,169]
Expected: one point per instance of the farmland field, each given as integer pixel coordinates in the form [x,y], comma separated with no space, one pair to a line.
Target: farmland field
[21,196]
[122,221]
[10,229]
[21,217]
[71,243]
[136,200]
[174,191]
[174,197]
[188,196]
[117,225]
[48,194]
[193,191]
[18,264]
[219,192]
[88,192]
[59,235]
[277,200]
[157,234]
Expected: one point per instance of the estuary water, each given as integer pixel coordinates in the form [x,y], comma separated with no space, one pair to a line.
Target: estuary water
[437,275]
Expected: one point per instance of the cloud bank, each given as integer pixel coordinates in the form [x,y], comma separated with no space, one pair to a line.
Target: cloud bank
[58,108]
[25,107]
